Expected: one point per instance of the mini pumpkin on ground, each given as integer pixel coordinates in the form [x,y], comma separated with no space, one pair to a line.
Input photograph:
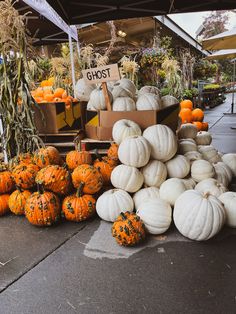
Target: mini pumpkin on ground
[17,201]
[78,207]
[6,181]
[128,229]
[4,207]
[43,208]
[47,156]
[24,175]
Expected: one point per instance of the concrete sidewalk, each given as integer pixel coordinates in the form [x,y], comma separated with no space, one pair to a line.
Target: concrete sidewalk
[78,268]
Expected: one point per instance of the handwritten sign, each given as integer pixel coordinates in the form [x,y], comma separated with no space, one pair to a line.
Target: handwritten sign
[102,74]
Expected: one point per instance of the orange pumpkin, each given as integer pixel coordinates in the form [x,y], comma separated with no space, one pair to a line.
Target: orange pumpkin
[198,124]
[49,97]
[128,229]
[89,176]
[186,103]
[25,158]
[54,178]
[105,166]
[113,151]
[75,158]
[42,208]
[4,208]
[185,115]
[17,201]
[24,175]
[197,115]
[39,93]
[77,207]
[205,126]
[6,182]
[59,92]
[47,156]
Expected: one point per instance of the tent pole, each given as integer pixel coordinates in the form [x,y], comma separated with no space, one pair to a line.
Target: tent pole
[78,48]
[3,141]
[232,105]
[72,63]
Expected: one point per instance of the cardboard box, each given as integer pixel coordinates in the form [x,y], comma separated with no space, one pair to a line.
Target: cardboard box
[99,125]
[54,117]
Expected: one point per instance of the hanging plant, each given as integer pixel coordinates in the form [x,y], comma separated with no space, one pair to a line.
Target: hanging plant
[16,103]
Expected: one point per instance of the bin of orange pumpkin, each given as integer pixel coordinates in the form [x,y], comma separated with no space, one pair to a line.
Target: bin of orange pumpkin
[56,111]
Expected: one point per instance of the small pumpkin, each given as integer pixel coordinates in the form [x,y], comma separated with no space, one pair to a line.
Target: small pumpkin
[229,201]
[47,156]
[25,158]
[97,99]
[105,167]
[17,201]
[171,189]
[223,173]
[83,90]
[198,124]
[6,181]
[123,104]
[186,103]
[187,130]
[43,208]
[113,151]
[124,128]
[78,157]
[89,176]
[205,126]
[185,115]
[230,161]
[128,229]
[149,89]
[154,173]
[24,175]
[197,114]
[168,100]
[124,88]
[203,138]
[144,195]
[187,145]
[192,156]
[178,167]
[4,207]
[209,153]
[54,178]
[148,102]
[78,207]
[211,186]
[202,169]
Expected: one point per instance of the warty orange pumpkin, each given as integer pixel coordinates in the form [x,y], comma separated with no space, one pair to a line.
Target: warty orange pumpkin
[17,201]
[47,156]
[24,175]
[4,207]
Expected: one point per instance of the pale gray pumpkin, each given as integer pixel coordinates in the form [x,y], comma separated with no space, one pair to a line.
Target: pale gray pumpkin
[123,104]
[97,100]
[148,102]
[83,90]
[168,100]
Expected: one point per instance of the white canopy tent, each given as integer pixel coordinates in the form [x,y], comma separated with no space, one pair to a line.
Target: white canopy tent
[225,40]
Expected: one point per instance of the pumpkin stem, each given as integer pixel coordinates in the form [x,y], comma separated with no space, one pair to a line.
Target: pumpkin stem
[79,191]
[18,188]
[40,188]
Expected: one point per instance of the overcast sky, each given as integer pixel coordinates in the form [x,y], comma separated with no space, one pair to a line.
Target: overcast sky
[190,22]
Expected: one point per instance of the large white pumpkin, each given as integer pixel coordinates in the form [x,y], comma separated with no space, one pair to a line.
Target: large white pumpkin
[202,169]
[134,151]
[97,100]
[230,160]
[209,153]
[83,90]
[148,102]
[112,202]
[154,173]
[189,183]
[186,145]
[197,216]
[163,142]
[124,128]
[229,201]
[168,100]
[203,138]
[124,88]
[144,195]
[211,186]
[123,104]
[150,90]
[178,167]
[156,215]
[171,189]
[223,173]
[192,156]
[187,130]
[127,178]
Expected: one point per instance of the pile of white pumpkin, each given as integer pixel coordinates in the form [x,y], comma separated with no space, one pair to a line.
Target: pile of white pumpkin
[161,172]
[123,96]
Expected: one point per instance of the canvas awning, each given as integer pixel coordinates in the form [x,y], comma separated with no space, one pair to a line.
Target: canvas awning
[222,54]
[225,40]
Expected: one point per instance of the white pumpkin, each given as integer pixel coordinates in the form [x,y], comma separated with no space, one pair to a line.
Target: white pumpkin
[154,173]
[148,102]
[171,189]
[127,178]
[192,156]
[144,195]
[134,151]
[203,138]
[229,201]
[124,128]
[187,130]
[163,142]
[223,173]
[124,88]
[113,202]
[230,160]
[211,186]
[186,145]
[209,153]
[189,183]
[197,216]
[149,89]
[178,167]
[83,90]
[123,104]
[156,215]
[202,169]
[97,100]
[168,100]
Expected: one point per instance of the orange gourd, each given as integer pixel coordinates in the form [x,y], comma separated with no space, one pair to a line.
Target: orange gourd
[47,156]
[59,92]
[198,124]
[4,207]
[49,97]
[185,115]
[186,103]
[17,201]
[197,115]
[205,126]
